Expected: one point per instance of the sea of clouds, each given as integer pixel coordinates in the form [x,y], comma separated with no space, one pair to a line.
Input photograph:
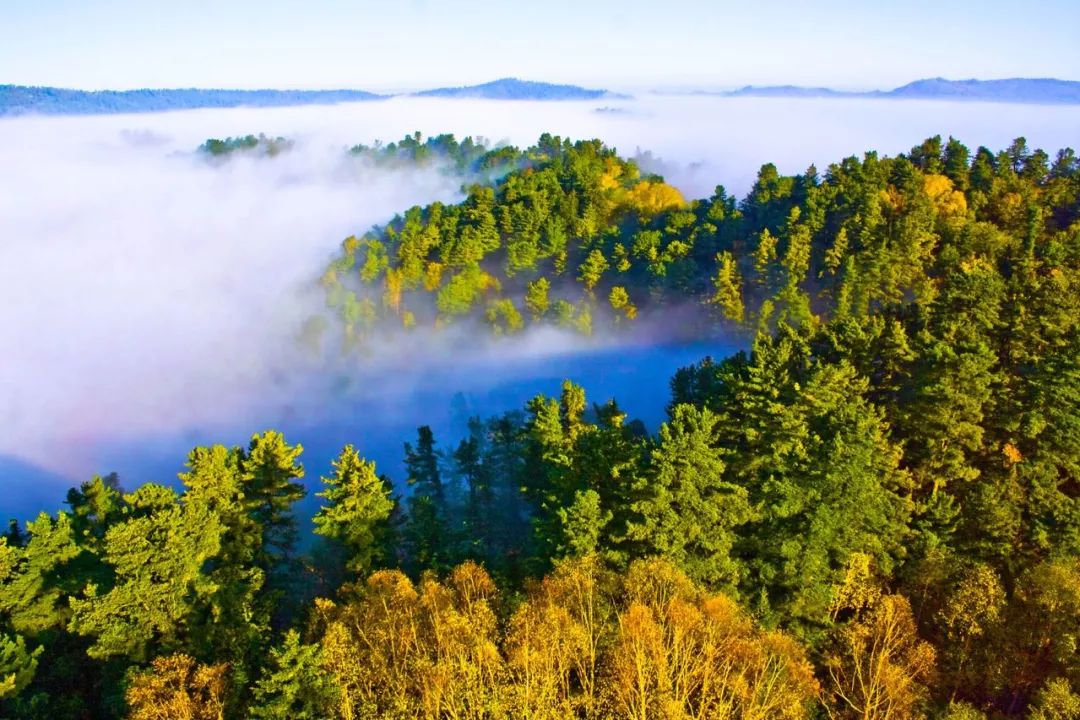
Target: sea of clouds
[150,298]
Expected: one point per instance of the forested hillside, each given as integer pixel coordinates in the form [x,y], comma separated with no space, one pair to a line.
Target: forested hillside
[873,512]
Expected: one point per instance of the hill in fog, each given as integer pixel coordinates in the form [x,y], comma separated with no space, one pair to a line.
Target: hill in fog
[514,89]
[21,100]
[1019,90]
[1013,90]
[24,100]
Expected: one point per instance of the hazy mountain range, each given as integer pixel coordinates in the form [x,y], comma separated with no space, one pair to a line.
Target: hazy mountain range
[21,100]
[1014,90]
[513,89]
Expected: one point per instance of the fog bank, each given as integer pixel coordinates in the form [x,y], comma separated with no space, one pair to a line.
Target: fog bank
[148,298]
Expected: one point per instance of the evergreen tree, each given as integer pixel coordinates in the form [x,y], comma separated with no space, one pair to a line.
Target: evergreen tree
[271,469]
[821,474]
[427,530]
[158,556]
[357,511]
[688,513]
[232,623]
[479,507]
[293,685]
[17,665]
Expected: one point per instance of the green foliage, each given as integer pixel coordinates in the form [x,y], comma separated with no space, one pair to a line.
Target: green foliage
[17,665]
[729,295]
[1056,701]
[293,686]
[248,144]
[621,304]
[592,269]
[687,513]
[232,622]
[504,318]
[888,472]
[427,531]
[470,157]
[560,211]
[270,469]
[158,557]
[962,711]
[462,291]
[38,578]
[583,524]
[357,510]
[820,471]
[536,298]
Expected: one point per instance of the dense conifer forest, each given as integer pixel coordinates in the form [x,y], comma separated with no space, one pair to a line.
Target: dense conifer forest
[871,512]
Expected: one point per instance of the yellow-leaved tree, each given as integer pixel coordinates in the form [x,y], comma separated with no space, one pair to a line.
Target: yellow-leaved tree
[176,687]
[879,669]
[682,653]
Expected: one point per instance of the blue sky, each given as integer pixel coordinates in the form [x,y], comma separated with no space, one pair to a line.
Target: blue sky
[405,44]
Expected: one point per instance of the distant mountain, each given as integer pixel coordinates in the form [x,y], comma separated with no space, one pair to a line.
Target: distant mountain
[1015,90]
[21,100]
[514,89]
[783,91]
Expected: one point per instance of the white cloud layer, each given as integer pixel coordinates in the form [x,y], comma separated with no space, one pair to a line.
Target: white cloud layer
[145,292]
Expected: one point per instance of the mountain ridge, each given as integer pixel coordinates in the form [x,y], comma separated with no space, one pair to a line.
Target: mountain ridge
[40,100]
[43,100]
[1010,90]
[515,89]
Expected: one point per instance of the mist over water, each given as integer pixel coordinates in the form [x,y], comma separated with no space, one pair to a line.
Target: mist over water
[149,299]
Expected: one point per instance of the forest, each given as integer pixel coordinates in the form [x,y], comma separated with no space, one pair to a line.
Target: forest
[871,512]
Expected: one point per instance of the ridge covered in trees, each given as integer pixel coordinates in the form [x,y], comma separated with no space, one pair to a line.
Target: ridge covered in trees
[564,233]
[260,144]
[871,512]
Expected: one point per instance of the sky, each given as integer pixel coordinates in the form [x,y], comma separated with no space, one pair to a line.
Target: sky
[631,44]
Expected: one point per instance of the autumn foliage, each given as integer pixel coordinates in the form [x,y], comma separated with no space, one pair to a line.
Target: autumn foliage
[583,642]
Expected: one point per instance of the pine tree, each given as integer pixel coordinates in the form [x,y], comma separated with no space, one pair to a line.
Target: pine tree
[17,665]
[271,469]
[233,623]
[357,510]
[427,530]
[479,510]
[158,556]
[689,513]
[728,284]
[293,686]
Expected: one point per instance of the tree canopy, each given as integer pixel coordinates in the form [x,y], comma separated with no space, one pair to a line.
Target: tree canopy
[871,511]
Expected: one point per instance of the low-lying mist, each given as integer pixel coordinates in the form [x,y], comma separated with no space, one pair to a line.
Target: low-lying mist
[149,299]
